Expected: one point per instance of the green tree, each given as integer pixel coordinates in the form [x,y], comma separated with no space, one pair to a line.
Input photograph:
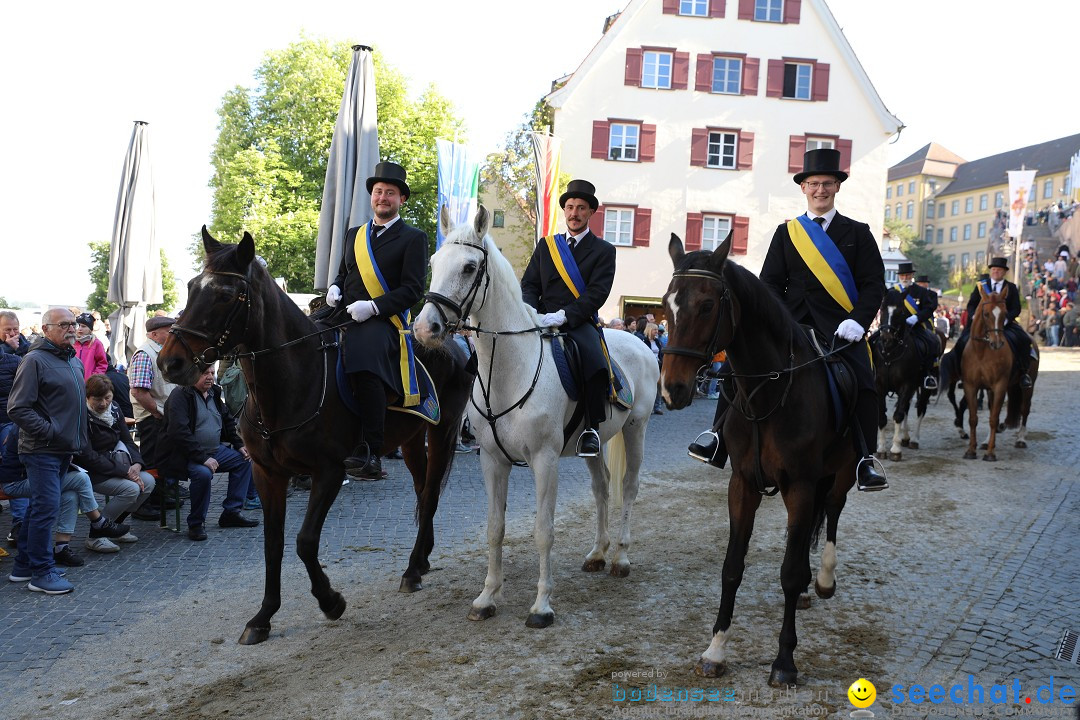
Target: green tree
[5,304]
[99,276]
[274,140]
[914,247]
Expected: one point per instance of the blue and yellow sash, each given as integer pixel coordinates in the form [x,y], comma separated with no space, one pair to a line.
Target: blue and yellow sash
[909,302]
[376,286]
[823,258]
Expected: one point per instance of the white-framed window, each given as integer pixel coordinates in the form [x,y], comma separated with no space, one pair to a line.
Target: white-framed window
[941,210]
[982,201]
[722,150]
[967,231]
[899,209]
[965,259]
[714,229]
[656,69]
[697,8]
[910,209]
[951,262]
[1048,189]
[623,141]
[888,212]
[899,189]
[888,193]
[955,208]
[952,234]
[982,229]
[619,226]
[798,78]
[930,208]
[929,235]
[999,200]
[911,188]
[979,258]
[769,10]
[969,204]
[819,143]
[727,75]
[940,236]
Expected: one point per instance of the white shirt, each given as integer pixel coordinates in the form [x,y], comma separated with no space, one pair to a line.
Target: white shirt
[572,239]
[828,218]
[386,226]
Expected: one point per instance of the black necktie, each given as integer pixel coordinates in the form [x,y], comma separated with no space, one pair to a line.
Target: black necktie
[572,241]
[820,221]
[376,229]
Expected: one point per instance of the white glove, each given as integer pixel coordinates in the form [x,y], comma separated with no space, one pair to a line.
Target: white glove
[911,319]
[850,330]
[554,319]
[361,310]
[333,296]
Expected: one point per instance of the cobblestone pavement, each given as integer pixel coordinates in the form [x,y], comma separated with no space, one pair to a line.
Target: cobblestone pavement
[974,565]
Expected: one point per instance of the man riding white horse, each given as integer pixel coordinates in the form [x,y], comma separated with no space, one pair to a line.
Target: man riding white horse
[547,286]
[921,302]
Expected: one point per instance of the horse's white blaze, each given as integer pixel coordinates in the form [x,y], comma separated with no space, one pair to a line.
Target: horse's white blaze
[717,651]
[204,280]
[826,576]
[674,308]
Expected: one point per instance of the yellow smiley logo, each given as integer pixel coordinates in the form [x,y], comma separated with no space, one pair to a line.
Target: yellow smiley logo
[862,693]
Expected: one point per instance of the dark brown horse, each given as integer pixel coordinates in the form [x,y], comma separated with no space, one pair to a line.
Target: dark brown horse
[779,431]
[294,421]
[987,364]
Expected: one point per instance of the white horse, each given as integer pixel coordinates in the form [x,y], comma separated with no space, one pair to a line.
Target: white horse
[525,408]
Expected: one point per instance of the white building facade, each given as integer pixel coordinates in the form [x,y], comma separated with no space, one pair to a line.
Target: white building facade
[690,117]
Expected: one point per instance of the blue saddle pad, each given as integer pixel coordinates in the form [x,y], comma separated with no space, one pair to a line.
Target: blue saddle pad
[619,390]
[428,409]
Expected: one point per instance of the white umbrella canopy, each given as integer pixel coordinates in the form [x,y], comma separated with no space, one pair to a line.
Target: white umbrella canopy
[354,153]
[134,256]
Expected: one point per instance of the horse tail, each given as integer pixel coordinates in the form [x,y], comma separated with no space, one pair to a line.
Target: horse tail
[1015,403]
[821,497]
[615,459]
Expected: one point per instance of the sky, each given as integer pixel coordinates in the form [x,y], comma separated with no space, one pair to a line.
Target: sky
[977,76]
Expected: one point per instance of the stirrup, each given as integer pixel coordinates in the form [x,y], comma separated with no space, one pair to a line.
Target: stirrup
[930,383]
[710,435]
[874,462]
[587,432]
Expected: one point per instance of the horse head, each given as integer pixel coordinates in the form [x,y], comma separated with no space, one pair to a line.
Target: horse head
[988,323]
[702,315]
[892,320]
[218,313]
[459,278]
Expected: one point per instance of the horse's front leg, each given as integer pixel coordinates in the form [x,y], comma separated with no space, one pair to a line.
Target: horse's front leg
[903,405]
[496,477]
[325,485]
[883,420]
[546,474]
[922,400]
[794,576]
[271,487]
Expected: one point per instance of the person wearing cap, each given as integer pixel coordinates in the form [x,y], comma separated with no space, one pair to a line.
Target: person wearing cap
[850,251]
[926,303]
[1020,341]
[149,391]
[543,287]
[88,348]
[382,275]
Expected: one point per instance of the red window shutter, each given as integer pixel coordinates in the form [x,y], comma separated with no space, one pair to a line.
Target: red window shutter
[740,234]
[792,10]
[745,159]
[596,222]
[746,9]
[648,143]
[633,66]
[774,83]
[821,81]
[601,134]
[796,150]
[671,7]
[716,8]
[703,75]
[642,227]
[844,146]
[693,232]
[699,146]
[680,71]
[750,69]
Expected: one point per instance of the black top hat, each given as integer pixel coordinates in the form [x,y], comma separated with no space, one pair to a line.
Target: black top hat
[580,189]
[905,269]
[392,173]
[999,262]
[922,278]
[823,161]
[86,319]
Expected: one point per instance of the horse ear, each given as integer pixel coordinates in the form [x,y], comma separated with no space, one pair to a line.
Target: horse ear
[675,250]
[445,224]
[210,245]
[719,255]
[482,221]
[982,291]
[245,251]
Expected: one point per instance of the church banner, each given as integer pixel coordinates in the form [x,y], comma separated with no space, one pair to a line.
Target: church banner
[1020,184]
[547,151]
[459,184]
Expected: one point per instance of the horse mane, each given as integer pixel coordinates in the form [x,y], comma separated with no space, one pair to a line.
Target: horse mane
[755,296]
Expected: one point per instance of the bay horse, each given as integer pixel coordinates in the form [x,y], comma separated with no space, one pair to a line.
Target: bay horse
[987,363]
[520,412]
[294,420]
[778,433]
[899,367]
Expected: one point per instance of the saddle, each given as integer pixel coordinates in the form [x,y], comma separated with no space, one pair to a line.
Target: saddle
[927,344]
[843,388]
[568,361]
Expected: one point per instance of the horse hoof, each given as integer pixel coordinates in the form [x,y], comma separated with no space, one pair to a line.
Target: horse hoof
[990,457]
[824,593]
[620,571]
[803,603]
[896,457]
[970,455]
[336,609]
[913,444]
[783,678]
[1021,444]
[594,565]
[482,613]
[409,585]
[905,443]
[879,455]
[709,669]
[254,635]
[540,620]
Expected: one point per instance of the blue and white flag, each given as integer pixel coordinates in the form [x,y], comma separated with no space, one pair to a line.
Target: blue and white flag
[459,184]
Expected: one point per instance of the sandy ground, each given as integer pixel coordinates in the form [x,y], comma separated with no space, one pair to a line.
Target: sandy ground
[417,656]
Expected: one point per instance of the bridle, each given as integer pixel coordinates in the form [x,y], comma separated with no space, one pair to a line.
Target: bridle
[464,309]
[711,349]
[996,344]
[217,349]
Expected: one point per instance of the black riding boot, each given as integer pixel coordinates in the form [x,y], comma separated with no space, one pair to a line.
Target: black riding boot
[365,461]
[867,476]
[709,446]
[596,390]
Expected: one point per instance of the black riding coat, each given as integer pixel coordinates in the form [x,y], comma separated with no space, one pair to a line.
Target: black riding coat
[401,252]
[925,298]
[1012,301]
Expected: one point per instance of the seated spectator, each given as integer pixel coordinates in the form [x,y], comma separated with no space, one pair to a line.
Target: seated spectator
[112,460]
[199,433]
[13,341]
[87,347]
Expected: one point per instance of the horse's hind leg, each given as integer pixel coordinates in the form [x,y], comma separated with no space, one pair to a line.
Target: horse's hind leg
[496,477]
[271,486]
[825,583]
[633,435]
[422,469]
[598,470]
[325,484]
[922,401]
[794,577]
[743,503]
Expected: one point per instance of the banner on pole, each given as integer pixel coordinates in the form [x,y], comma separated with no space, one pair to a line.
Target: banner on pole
[1020,183]
[547,151]
[459,184]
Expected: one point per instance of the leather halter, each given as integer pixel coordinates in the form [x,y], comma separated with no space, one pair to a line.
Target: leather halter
[725,299]
[464,309]
[217,349]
